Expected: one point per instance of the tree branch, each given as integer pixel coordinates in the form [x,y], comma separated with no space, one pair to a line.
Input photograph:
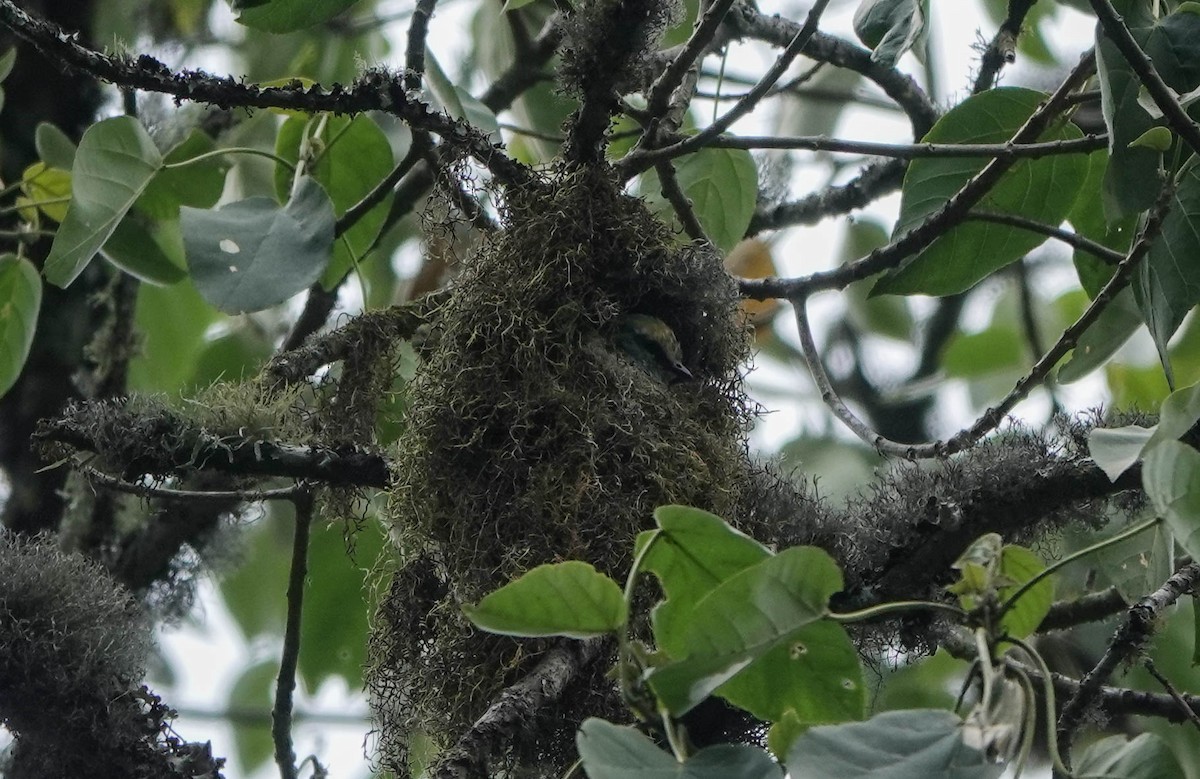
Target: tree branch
[1140,623]
[281,713]
[514,707]
[373,91]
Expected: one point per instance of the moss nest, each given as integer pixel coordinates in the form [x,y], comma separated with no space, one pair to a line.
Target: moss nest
[530,438]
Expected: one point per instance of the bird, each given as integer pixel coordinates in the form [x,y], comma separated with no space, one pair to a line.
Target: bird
[652,345]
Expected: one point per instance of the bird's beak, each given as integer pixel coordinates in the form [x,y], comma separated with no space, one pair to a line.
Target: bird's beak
[681,372]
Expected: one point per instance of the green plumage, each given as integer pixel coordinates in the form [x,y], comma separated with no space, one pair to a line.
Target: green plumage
[653,347]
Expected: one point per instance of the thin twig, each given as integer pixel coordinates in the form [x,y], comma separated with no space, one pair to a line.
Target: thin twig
[637,161]
[1074,240]
[671,76]
[1176,696]
[281,713]
[992,417]
[955,211]
[150,491]
[679,201]
[910,151]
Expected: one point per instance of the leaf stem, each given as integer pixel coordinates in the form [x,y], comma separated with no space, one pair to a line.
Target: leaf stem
[1032,582]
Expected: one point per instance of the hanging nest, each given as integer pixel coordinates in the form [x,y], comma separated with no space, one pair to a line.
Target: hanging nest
[530,438]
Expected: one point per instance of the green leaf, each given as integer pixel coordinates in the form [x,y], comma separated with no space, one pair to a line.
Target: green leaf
[458,102]
[42,185]
[135,248]
[1120,318]
[722,185]
[694,553]
[1167,284]
[745,617]
[891,27]
[172,322]
[906,744]
[1043,190]
[1116,448]
[1178,414]
[355,158]
[1171,477]
[512,5]
[335,637]
[288,15]
[113,166]
[255,593]
[20,301]
[1101,341]
[7,60]
[253,254]
[1132,181]
[815,678]
[1156,138]
[1145,757]
[1019,565]
[253,691]
[565,599]
[54,147]
[973,355]
[610,751]
[198,184]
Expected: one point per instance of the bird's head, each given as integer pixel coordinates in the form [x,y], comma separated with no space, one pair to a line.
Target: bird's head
[653,347]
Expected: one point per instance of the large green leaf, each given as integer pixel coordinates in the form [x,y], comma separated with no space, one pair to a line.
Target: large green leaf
[694,552]
[1145,757]
[564,599]
[722,185]
[1171,478]
[815,678]
[743,618]
[1167,284]
[253,254]
[906,744]
[610,751]
[355,157]
[1043,190]
[288,15]
[20,301]
[114,164]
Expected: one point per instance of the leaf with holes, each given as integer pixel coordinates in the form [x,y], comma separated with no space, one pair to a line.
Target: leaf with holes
[253,254]
[745,617]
